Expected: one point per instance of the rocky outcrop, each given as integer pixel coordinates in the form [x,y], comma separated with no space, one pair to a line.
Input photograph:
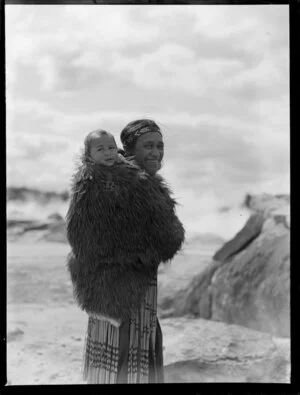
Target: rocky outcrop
[188,293]
[174,280]
[267,203]
[242,239]
[23,194]
[253,289]
[208,352]
[53,229]
[248,281]
[56,232]
[55,217]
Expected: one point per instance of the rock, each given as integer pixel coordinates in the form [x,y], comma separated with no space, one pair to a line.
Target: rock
[55,217]
[224,209]
[283,215]
[12,223]
[198,350]
[35,231]
[188,292]
[19,229]
[249,287]
[24,194]
[14,334]
[253,289]
[38,226]
[203,239]
[249,232]
[266,203]
[248,281]
[197,296]
[175,279]
[56,232]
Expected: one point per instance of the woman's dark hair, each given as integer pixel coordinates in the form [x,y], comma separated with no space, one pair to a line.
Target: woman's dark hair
[133,130]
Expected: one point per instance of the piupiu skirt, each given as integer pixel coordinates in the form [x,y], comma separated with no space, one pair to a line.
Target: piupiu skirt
[130,353]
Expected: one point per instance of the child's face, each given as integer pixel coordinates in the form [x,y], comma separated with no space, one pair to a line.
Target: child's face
[104,150]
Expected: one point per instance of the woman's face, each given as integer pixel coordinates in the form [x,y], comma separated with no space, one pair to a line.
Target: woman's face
[149,151]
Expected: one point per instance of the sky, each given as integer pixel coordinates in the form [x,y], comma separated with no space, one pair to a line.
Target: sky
[215,78]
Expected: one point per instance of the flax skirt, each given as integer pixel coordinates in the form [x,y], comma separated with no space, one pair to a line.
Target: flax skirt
[130,353]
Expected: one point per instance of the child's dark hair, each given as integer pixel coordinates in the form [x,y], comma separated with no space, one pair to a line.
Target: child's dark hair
[91,136]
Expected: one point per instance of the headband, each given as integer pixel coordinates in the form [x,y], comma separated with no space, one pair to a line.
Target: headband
[130,136]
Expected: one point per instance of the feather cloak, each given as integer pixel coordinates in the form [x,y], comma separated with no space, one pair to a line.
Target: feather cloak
[121,224]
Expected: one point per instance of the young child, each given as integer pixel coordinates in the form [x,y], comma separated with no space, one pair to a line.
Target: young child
[101,147]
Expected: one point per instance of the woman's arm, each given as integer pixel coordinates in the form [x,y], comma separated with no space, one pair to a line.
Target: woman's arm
[167,228]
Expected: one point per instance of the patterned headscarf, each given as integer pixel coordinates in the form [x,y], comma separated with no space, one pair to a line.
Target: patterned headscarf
[134,130]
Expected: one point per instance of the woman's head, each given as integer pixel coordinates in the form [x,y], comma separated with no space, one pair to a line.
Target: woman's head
[143,140]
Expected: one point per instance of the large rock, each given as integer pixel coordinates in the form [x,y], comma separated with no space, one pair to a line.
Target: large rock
[253,289]
[267,203]
[53,229]
[198,350]
[248,281]
[54,217]
[56,232]
[250,287]
[24,194]
[196,298]
[242,239]
[174,280]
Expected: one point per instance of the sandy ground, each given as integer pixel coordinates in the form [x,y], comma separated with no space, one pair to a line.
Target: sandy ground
[45,329]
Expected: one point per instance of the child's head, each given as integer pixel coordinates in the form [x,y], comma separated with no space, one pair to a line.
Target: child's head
[101,146]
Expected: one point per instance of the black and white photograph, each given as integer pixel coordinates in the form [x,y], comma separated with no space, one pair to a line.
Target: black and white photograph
[148,193]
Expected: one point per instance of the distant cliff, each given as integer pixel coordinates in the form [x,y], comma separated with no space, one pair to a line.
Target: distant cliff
[24,194]
[35,215]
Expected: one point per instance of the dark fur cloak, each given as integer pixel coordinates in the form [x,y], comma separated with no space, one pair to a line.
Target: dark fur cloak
[121,224]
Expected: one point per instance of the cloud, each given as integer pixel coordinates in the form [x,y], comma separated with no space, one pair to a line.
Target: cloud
[78,50]
[87,43]
[49,31]
[41,148]
[224,160]
[216,149]
[215,78]
[40,161]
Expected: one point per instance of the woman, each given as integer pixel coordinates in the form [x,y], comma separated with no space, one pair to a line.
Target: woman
[115,277]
